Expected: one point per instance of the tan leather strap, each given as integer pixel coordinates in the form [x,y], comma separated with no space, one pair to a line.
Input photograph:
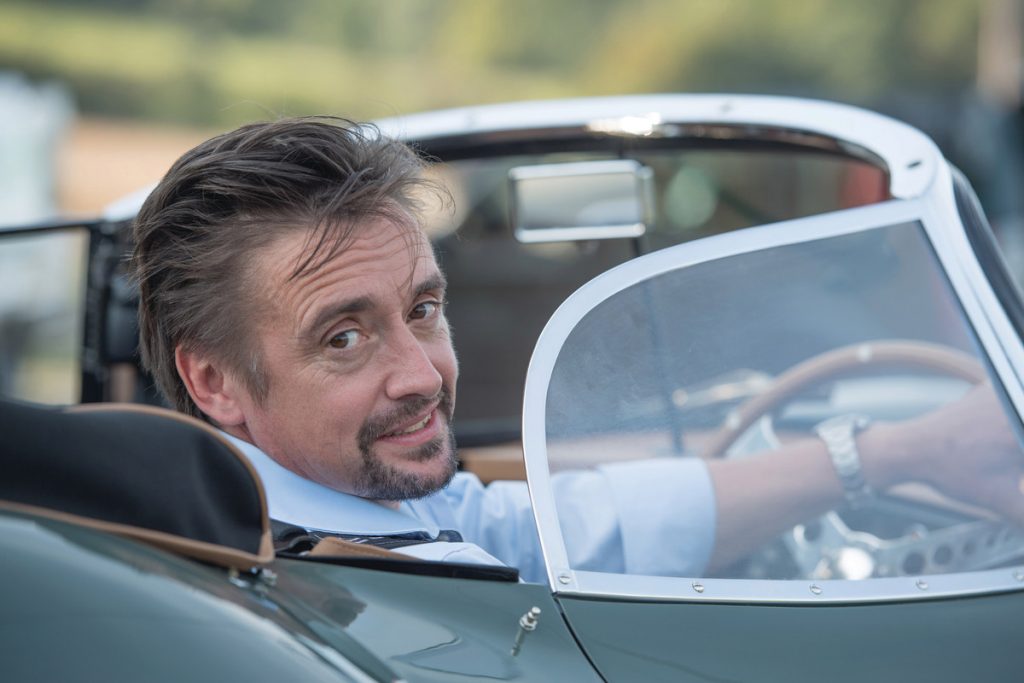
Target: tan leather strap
[337,547]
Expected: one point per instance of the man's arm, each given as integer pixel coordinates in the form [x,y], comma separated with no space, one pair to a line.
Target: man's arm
[965,450]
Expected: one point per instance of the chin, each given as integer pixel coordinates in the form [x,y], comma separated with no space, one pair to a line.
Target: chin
[427,470]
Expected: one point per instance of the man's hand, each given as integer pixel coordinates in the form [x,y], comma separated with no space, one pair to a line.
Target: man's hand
[965,450]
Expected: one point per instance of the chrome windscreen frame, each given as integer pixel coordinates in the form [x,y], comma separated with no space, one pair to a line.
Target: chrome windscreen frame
[922,184]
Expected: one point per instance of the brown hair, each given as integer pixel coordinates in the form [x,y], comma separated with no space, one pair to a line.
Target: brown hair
[236,193]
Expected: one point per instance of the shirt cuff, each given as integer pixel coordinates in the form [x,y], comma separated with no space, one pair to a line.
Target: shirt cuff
[666,510]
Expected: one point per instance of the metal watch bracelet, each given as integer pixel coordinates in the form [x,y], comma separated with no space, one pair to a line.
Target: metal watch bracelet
[839,435]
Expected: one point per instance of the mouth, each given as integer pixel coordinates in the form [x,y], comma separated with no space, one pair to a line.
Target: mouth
[417,432]
[411,426]
[414,427]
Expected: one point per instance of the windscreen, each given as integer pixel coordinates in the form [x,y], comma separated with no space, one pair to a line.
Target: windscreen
[819,410]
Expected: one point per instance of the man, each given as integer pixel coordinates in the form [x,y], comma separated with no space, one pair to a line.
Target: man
[289,296]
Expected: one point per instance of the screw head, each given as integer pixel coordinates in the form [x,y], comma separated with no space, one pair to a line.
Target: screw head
[698,586]
[564,579]
[922,584]
[1018,575]
[816,589]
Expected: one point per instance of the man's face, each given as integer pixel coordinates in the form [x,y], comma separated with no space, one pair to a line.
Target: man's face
[359,362]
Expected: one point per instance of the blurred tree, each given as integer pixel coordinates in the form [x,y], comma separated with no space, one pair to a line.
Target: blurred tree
[225,61]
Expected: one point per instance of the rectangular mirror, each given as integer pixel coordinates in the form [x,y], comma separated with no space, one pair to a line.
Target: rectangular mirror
[591,200]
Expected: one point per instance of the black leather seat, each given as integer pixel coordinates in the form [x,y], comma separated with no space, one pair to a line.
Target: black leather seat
[138,471]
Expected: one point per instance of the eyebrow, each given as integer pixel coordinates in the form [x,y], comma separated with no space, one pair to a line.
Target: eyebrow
[359,304]
[435,281]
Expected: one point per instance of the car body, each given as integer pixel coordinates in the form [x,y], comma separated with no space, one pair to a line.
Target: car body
[794,260]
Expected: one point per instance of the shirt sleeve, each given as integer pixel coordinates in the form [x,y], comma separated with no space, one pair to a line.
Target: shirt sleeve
[666,511]
[653,517]
[499,519]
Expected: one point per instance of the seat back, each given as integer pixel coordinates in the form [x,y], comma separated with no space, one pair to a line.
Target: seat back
[140,472]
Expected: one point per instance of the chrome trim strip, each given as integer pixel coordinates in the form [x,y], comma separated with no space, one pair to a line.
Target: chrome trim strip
[936,211]
[670,589]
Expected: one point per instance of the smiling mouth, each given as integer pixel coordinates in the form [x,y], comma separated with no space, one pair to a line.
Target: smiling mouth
[410,426]
[424,423]
[414,427]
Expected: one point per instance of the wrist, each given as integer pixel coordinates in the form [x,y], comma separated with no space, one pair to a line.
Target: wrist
[886,455]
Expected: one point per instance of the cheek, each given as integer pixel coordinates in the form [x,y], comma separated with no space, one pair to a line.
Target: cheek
[311,424]
[296,407]
[332,404]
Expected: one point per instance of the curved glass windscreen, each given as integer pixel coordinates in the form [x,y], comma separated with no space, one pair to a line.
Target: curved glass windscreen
[819,410]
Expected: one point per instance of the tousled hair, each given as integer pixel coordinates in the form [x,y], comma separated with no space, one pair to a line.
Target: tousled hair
[234,194]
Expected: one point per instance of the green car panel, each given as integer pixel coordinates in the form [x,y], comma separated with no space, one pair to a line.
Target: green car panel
[88,606]
[84,606]
[429,628]
[939,641]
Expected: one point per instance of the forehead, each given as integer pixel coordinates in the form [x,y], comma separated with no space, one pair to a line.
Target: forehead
[381,258]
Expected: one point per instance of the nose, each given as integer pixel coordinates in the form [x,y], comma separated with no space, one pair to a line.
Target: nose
[411,370]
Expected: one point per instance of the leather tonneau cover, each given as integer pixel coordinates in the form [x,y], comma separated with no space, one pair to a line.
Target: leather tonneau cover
[138,471]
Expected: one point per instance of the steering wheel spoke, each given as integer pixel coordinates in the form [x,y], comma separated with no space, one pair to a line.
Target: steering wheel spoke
[827,548]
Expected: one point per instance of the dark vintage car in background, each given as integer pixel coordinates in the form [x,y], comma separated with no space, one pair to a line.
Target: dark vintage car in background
[674,277]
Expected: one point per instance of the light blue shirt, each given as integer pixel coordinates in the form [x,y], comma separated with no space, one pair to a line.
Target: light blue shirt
[653,517]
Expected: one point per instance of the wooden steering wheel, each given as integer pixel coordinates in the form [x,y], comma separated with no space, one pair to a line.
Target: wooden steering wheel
[846,360]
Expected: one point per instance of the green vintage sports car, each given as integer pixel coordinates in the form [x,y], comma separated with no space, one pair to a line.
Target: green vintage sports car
[730,274]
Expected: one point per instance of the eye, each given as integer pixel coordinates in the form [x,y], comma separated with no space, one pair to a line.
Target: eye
[425,309]
[345,340]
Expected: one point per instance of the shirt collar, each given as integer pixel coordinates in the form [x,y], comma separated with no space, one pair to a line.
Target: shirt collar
[296,500]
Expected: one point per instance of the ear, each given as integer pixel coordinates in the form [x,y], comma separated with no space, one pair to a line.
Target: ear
[215,392]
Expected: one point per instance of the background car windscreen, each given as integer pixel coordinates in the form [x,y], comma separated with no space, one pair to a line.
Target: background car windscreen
[42,285]
[502,292]
[863,323]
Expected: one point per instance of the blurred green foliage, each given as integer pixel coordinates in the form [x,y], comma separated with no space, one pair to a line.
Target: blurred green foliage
[227,61]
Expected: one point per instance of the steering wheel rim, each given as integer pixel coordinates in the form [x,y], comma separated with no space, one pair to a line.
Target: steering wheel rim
[842,361]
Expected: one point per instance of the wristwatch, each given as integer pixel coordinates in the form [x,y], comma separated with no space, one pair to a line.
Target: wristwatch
[839,434]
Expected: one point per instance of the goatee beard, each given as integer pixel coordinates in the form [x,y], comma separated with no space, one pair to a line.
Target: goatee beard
[381,481]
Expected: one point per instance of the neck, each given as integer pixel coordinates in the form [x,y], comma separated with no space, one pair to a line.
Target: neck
[241,432]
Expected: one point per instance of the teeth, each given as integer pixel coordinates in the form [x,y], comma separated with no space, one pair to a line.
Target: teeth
[416,427]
